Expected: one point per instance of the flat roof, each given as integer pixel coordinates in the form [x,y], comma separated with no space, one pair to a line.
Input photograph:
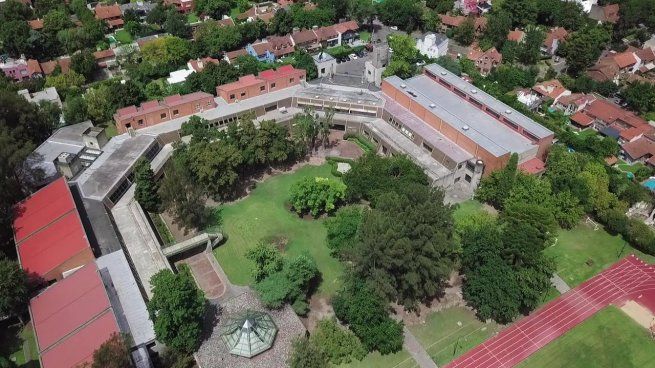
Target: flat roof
[72,318]
[349,95]
[119,155]
[42,208]
[429,134]
[470,121]
[515,116]
[129,296]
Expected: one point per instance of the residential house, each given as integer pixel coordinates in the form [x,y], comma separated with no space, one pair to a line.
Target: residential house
[611,65]
[433,45]
[326,65]
[585,4]
[473,6]
[282,45]
[554,38]
[264,11]
[348,31]
[570,104]
[141,8]
[647,58]
[605,14]
[485,61]
[231,56]
[182,6]
[451,22]
[516,35]
[640,150]
[36,24]
[198,65]
[548,91]
[154,112]
[283,77]
[105,58]
[305,39]
[262,51]
[327,36]
[611,120]
[48,94]
[63,64]
[111,14]
[21,69]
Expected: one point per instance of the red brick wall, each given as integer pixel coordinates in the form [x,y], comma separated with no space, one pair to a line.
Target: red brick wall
[286,81]
[164,113]
[241,93]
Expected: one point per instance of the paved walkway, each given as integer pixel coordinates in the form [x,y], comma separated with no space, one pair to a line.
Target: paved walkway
[559,284]
[205,275]
[628,279]
[417,351]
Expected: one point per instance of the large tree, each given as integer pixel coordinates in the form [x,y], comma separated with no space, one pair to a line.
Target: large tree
[405,14]
[583,47]
[113,353]
[406,248]
[13,289]
[177,308]
[146,187]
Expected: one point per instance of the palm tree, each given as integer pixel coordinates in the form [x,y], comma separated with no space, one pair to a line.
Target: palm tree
[324,126]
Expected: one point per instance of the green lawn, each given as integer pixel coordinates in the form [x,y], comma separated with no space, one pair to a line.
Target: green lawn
[264,215]
[608,339]
[449,333]
[14,340]
[401,359]
[582,252]
[234,12]
[365,36]
[192,18]
[626,167]
[123,36]
[467,209]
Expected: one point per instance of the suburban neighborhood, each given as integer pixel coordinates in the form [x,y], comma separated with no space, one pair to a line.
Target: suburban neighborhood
[327,183]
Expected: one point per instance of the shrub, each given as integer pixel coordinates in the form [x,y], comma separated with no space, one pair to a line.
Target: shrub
[317,195]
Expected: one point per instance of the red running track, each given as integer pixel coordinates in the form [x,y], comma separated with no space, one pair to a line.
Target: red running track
[628,279]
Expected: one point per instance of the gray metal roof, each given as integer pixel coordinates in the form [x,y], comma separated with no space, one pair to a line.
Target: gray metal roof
[516,117]
[470,121]
[131,301]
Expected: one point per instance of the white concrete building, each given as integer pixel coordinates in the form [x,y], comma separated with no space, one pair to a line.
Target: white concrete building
[433,45]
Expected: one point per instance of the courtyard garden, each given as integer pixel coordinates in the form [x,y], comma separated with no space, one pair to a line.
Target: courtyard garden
[123,37]
[19,344]
[264,215]
[608,339]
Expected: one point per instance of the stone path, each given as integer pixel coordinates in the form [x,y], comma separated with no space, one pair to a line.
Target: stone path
[205,275]
[416,350]
[559,284]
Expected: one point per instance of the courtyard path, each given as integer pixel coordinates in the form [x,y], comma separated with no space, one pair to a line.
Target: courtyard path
[417,351]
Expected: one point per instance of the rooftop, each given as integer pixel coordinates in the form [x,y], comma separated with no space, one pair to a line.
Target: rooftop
[72,319]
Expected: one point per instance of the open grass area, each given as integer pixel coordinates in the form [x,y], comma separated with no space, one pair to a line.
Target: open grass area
[365,36]
[192,18]
[264,215]
[401,359]
[234,12]
[467,209]
[19,344]
[582,252]
[123,36]
[449,333]
[626,167]
[110,129]
[608,339]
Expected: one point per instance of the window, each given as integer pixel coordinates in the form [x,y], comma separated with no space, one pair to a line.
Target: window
[243,94]
[468,178]
[232,96]
[459,166]
[176,112]
[128,126]
[262,88]
[209,103]
[457,180]
[426,147]
[470,166]
[459,92]
[163,116]
[291,80]
[272,85]
[140,121]
[197,106]
[322,70]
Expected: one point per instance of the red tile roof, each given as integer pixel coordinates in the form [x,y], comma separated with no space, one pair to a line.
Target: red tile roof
[344,27]
[581,119]
[557,33]
[227,22]
[639,148]
[533,166]
[42,208]
[625,59]
[35,24]
[245,81]
[646,54]
[199,64]
[34,67]
[49,66]
[551,89]
[452,21]
[280,72]
[102,54]
[72,319]
[516,35]
[305,36]
[108,11]
[611,13]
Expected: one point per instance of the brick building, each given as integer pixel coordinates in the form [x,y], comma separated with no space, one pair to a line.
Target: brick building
[267,81]
[154,112]
[20,69]
[111,14]
[183,6]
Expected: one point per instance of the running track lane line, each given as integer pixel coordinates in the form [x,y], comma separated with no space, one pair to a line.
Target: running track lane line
[619,282]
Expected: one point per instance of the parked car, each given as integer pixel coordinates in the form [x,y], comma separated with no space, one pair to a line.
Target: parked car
[394,28]
[353,57]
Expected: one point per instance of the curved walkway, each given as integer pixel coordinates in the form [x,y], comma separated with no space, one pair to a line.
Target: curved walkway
[628,279]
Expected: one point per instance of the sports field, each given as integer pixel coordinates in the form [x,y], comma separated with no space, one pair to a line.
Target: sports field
[401,359]
[264,215]
[608,339]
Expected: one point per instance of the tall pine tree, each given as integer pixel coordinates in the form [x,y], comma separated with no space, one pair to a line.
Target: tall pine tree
[146,187]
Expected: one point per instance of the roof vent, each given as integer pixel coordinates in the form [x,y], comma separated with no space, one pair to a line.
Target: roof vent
[359,101]
[331,98]
[508,111]
[344,99]
[474,91]
[432,106]
[465,128]
[316,96]
[403,86]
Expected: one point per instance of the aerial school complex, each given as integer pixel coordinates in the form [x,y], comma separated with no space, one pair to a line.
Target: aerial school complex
[455,132]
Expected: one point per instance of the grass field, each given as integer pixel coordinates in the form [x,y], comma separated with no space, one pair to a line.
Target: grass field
[365,36]
[13,342]
[449,333]
[582,252]
[467,209]
[264,215]
[401,359]
[192,18]
[608,339]
[123,36]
